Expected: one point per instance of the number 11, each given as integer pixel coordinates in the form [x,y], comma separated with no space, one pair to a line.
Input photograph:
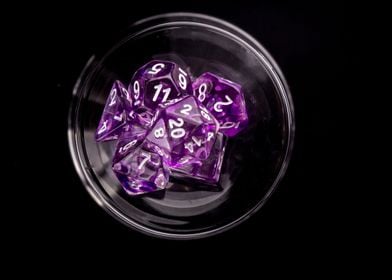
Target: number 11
[158,89]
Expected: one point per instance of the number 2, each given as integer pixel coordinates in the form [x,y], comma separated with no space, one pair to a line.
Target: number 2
[186,110]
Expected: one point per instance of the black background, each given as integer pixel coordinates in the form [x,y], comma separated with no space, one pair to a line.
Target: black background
[52,210]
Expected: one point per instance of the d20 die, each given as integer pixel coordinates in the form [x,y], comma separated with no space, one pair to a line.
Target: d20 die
[184,131]
[157,82]
[207,171]
[113,116]
[224,99]
[141,171]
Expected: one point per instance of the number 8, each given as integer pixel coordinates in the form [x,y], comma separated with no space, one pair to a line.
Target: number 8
[202,92]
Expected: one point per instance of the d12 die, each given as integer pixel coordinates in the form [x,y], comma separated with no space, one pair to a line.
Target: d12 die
[113,117]
[131,137]
[141,171]
[224,99]
[206,171]
[184,131]
[157,82]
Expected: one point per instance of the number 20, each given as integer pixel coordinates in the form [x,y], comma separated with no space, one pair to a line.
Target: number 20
[177,132]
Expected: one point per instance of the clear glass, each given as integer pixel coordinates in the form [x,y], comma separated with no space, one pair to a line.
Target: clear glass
[255,160]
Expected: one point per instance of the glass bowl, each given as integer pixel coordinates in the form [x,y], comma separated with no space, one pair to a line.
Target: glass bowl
[255,160]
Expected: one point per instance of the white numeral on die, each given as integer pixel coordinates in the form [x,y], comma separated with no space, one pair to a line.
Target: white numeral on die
[202,92]
[103,127]
[147,157]
[230,125]
[159,132]
[217,105]
[158,89]
[127,146]
[186,110]
[113,97]
[136,89]
[156,68]
[182,79]
[177,132]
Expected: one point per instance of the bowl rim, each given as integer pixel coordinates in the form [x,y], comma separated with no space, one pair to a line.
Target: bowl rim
[73,133]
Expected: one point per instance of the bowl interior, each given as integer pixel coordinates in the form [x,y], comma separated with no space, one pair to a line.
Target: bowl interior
[253,160]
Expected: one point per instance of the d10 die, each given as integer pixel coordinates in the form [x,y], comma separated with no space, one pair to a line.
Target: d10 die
[184,131]
[113,117]
[206,171]
[224,99]
[157,82]
[131,137]
[141,171]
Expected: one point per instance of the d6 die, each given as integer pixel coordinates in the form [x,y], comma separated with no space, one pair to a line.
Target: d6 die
[224,99]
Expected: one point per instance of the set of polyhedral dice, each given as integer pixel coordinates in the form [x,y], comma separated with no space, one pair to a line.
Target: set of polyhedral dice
[168,124]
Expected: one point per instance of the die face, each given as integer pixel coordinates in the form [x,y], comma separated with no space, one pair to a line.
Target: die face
[155,68]
[225,100]
[208,170]
[181,78]
[114,103]
[196,147]
[132,136]
[141,171]
[158,82]
[185,132]
[109,127]
[186,108]
[158,91]
[113,116]
[151,70]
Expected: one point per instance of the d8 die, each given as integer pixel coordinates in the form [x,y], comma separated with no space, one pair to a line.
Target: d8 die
[157,82]
[141,171]
[206,171]
[113,117]
[184,131]
[224,99]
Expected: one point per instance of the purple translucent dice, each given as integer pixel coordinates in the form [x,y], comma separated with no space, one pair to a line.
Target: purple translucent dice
[155,83]
[183,132]
[113,116]
[167,125]
[224,99]
[208,170]
[141,171]
[132,136]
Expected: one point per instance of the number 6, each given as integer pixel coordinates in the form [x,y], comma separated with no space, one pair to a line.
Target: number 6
[217,105]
